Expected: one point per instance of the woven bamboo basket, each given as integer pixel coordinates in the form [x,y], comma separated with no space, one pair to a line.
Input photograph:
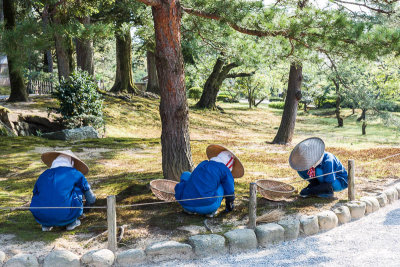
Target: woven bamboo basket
[274,190]
[163,189]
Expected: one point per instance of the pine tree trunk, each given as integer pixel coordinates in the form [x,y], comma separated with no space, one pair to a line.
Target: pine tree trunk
[18,89]
[175,141]
[362,117]
[364,126]
[124,75]
[211,88]
[48,59]
[152,80]
[338,99]
[63,51]
[293,96]
[84,50]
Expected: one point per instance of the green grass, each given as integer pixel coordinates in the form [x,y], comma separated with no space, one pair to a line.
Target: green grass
[124,163]
[5,90]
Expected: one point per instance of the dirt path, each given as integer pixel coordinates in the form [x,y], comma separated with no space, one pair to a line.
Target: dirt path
[370,241]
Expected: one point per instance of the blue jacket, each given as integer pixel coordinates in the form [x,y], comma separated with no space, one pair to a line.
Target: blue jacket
[58,187]
[329,164]
[204,182]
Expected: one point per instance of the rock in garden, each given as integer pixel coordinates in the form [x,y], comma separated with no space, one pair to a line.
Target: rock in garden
[241,239]
[61,258]
[207,245]
[73,134]
[391,194]
[22,260]
[368,206]
[309,225]
[382,199]
[168,250]
[357,209]
[98,258]
[292,228]
[2,257]
[270,233]
[327,220]
[131,257]
[343,214]
[374,202]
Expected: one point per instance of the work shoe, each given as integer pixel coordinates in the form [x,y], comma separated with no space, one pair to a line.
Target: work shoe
[323,190]
[211,215]
[188,212]
[73,225]
[47,228]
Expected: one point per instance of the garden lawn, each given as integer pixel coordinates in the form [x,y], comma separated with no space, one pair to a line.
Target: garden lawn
[129,157]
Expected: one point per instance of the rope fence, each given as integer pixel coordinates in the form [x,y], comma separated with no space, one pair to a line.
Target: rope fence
[111,201]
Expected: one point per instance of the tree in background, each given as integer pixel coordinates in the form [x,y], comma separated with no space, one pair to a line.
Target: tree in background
[255,88]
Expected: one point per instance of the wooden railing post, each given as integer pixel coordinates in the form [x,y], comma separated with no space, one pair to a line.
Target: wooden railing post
[351,190]
[253,206]
[112,223]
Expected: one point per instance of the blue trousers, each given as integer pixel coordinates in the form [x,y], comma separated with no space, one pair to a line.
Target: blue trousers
[203,209]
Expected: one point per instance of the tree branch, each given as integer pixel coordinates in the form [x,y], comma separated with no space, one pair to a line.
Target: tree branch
[150,2]
[366,6]
[236,27]
[240,74]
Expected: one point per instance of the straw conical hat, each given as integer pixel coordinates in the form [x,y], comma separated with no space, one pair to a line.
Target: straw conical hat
[214,150]
[49,157]
[306,153]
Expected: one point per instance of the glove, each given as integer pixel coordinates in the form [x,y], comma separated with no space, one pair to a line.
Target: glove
[229,203]
[90,199]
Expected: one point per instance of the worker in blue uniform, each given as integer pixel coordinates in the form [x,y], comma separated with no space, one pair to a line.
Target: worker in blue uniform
[62,185]
[324,172]
[211,180]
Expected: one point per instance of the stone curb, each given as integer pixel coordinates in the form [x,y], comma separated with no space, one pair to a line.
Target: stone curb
[235,241]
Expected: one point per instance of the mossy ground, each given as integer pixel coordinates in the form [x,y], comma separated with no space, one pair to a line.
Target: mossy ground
[124,163]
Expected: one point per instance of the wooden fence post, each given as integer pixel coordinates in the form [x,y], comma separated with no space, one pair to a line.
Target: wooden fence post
[351,190]
[253,206]
[112,223]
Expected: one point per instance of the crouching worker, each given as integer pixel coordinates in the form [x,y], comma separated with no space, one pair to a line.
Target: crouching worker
[63,185]
[210,180]
[310,160]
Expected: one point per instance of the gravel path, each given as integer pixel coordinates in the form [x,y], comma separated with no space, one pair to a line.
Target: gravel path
[370,241]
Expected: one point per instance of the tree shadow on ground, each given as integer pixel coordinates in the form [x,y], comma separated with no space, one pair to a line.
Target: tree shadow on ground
[392,218]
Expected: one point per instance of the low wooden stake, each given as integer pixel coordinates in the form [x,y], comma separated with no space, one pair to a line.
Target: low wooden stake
[253,206]
[351,190]
[112,223]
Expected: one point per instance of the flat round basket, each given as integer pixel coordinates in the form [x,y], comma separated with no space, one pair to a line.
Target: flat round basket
[163,189]
[274,190]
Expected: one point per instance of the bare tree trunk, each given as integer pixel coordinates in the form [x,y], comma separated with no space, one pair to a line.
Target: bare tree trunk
[364,126]
[338,99]
[293,96]
[175,140]
[124,75]
[18,89]
[48,59]
[84,50]
[152,80]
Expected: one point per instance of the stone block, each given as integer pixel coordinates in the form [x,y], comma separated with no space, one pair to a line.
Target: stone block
[270,233]
[368,206]
[22,260]
[292,228]
[382,199]
[208,245]
[73,134]
[391,194]
[343,214]
[98,258]
[61,258]
[327,220]
[357,209]
[168,250]
[374,203]
[2,257]
[240,240]
[130,257]
[309,225]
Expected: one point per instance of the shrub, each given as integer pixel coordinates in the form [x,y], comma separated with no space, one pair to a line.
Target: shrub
[80,103]
[275,99]
[195,92]
[328,103]
[277,105]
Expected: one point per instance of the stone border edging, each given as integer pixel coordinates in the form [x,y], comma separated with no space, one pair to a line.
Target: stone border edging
[234,241]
